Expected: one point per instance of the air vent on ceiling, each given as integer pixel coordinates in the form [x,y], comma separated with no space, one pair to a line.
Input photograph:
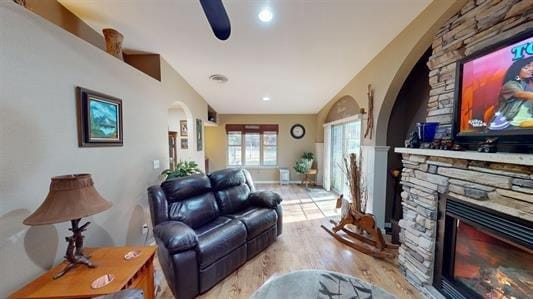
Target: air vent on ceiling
[218,78]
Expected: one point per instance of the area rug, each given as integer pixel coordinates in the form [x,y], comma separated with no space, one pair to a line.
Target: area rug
[318,284]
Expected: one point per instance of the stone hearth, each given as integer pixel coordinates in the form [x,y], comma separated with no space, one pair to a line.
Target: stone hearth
[505,184]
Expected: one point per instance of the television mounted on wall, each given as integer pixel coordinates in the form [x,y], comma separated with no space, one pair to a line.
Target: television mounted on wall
[494,95]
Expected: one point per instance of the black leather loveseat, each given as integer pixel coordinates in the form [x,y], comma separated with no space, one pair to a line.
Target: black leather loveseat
[208,226]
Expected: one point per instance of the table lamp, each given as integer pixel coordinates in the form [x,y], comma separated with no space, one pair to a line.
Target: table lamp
[71,198]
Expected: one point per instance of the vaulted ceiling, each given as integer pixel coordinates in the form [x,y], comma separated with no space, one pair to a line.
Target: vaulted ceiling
[300,60]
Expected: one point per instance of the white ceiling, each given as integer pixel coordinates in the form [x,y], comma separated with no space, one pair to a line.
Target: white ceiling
[310,50]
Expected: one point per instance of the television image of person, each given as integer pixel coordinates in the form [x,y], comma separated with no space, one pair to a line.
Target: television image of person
[515,108]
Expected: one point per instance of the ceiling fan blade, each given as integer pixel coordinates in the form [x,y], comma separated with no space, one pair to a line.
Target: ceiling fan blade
[218,18]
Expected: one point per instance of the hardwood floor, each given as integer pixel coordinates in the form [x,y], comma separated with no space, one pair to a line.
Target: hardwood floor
[305,245]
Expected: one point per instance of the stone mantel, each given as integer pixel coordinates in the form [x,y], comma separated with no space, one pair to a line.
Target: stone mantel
[499,181]
[506,158]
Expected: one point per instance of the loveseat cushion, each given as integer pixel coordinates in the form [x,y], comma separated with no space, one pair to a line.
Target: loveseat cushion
[231,190]
[175,236]
[266,199]
[195,211]
[226,178]
[233,199]
[257,220]
[179,189]
[190,200]
[218,238]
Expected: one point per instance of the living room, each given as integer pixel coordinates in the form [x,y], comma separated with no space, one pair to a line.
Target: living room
[289,149]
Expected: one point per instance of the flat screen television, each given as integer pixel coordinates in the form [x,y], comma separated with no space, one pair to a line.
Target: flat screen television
[494,95]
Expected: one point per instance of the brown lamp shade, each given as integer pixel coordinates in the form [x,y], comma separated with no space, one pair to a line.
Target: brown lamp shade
[71,197]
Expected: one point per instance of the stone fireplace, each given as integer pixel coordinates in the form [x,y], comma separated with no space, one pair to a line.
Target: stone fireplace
[467,216]
[482,252]
[467,223]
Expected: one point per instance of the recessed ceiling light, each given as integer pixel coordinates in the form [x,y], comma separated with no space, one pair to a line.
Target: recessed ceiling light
[266,99]
[265,15]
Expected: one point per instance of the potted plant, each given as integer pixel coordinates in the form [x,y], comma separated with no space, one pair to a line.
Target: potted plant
[304,164]
[309,157]
[183,169]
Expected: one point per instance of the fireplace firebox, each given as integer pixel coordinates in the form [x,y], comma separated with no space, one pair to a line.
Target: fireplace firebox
[482,253]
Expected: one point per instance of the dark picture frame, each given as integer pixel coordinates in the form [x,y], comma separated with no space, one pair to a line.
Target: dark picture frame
[184,143]
[184,131]
[99,119]
[199,135]
[508,141]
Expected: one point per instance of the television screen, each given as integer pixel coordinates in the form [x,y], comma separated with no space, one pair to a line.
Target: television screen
[496,91]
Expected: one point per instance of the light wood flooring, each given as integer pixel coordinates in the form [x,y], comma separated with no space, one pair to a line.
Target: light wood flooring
[305,245]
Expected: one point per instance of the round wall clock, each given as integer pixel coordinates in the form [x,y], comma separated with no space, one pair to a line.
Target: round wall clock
[297,131]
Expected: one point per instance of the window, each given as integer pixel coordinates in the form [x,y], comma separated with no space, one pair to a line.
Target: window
[345,139]
[252,151]
[252,145]
[234,148]
[270,148]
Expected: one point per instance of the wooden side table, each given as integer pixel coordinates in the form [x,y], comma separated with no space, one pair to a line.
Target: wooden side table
[136,273]
[306,180]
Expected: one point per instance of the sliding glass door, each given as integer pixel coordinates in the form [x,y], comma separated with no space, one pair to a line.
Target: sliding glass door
[345,139]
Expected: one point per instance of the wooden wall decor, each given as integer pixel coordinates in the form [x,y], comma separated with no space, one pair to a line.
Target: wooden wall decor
[113,42]
[367,237]
[370,119]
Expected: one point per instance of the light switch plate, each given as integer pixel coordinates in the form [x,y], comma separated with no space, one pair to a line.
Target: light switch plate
[156,164]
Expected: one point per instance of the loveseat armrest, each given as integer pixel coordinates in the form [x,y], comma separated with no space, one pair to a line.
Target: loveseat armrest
[266,199]
[176,236]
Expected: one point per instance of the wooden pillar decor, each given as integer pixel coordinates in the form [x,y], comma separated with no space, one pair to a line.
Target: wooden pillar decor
[113,42]
[364,235]
[370,119]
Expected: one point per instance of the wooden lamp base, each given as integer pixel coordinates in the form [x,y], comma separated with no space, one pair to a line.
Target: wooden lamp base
[74,255]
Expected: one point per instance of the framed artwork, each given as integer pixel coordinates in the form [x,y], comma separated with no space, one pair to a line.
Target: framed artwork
[183,128]
[184,144]
[199,136]
[99,119]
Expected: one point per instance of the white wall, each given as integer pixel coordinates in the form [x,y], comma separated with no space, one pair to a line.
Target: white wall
[40,67]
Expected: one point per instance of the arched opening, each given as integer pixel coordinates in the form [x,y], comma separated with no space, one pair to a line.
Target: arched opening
[409,108]
[180,134]
[344,107]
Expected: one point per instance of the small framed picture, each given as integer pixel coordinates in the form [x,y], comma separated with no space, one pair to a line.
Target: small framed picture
[183,128]
[99,119]
[199,135]
[184,142]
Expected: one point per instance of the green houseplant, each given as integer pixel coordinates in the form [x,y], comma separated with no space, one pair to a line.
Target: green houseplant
[303,164]
[183,169]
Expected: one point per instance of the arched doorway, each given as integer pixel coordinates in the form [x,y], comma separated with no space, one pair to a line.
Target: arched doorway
[180,134]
